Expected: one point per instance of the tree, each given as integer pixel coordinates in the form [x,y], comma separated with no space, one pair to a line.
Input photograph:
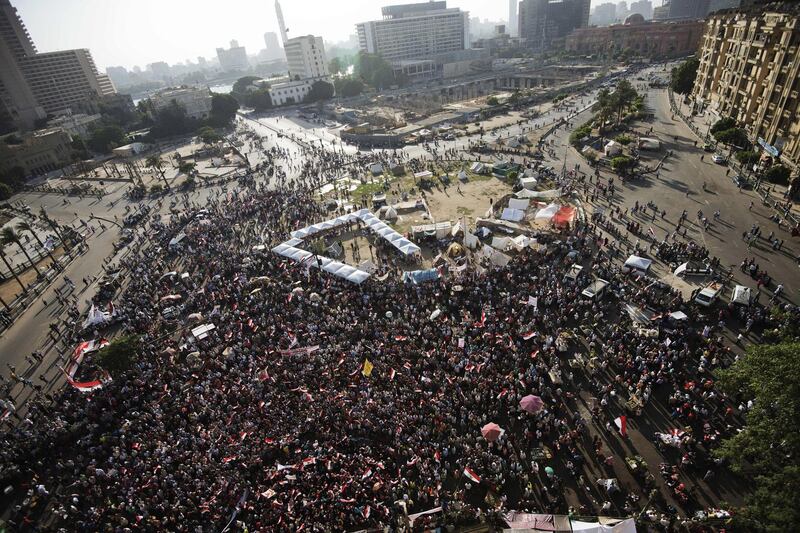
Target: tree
[5,191]
[120,355]
[8,237]
[320,90]
[747,157]
[26,226]
[154,162]
[13,177]
[335,65]
[186,167]
[724,123]
[733,136]
[683,76]
[208,135]
[777,174]
[622,163]
[8,266]
[260,100]
[223,110]
[492,100]
[105,138]
[172,120]
[767,448]
[374,70]
[241,85]
[347,87]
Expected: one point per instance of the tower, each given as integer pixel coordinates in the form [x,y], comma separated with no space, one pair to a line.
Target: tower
[512,18]
[281,23]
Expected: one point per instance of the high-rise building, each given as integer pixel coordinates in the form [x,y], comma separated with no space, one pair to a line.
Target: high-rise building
[272,49]
[281,23]
[543,21]
[18,105]
[511,27]
[716,5]
[750,71]
[622,10]
[643,7]
[160,70]
[415,31]
[682,9]
[306,57]
[235,58]
[66,78]
[119,76]
[604,14]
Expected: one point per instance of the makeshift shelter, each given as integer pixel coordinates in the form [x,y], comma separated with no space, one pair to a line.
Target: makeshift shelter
[439,230]
[201,332]
[552,194]
[515,203]
[478,167]
[376,169]
[462,176]
[512,215]
[423,174]
[454,250]
[564,216]
[547,213]
[612,148]
[387,212]
[420,276]
[742,295]
[635,262]
[528,184]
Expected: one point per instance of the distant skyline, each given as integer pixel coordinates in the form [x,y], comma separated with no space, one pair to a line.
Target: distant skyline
[122,33]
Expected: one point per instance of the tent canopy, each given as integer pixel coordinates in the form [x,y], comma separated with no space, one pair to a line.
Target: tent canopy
[639,263]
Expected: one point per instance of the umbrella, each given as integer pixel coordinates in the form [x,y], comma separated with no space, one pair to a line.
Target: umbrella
[531,403]
[491,432]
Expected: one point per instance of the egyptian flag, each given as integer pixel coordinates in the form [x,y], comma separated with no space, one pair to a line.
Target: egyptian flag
[471,475]
[622,424]
[391,374]
[529,335]
[651,232]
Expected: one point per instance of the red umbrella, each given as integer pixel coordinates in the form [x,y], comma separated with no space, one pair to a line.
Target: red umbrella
[531,403]
[491,432]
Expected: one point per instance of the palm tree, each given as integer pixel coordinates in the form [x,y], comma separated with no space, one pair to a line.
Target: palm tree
[8,236]
[8,266]
[154,161]
[54,226]
[26,226]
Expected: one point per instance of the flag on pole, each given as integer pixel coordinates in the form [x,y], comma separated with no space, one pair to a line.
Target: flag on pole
[471,475]
[622,424]
[392,374]
[367,370]
[529,335]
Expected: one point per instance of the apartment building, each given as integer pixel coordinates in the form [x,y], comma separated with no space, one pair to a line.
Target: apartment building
[306,58]
[750,71]
[415,31]
[234,58]
[18,105]
[38,153]
[196,100]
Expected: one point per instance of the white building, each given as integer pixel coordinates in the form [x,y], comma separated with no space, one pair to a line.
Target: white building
[306,58]
[74,124]
[415,31]
[196,100]
[234,58]
[290,92]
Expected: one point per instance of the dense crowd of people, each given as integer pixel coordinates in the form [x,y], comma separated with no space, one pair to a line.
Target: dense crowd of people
[273,421]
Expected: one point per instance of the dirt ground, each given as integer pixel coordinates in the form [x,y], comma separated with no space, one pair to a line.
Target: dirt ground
[10,289]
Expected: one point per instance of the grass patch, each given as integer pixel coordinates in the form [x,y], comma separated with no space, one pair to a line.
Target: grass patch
[367,190]
[465,211]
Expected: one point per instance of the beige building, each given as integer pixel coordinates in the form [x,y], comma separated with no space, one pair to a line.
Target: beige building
[750,71]
[38,153]
[306,58]
[196,100]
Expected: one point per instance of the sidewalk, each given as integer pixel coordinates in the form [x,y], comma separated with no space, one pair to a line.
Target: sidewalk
[701,125]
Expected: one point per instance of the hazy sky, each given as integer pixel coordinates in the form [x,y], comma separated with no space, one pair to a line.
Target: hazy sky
[127,33]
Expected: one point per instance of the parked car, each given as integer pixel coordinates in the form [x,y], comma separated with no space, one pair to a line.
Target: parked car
[719,159]
[740,181]
[708,147]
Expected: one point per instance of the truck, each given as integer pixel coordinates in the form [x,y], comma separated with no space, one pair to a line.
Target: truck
[708,295]
[595,289]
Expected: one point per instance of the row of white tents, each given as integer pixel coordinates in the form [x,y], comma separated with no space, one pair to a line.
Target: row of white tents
[291,250]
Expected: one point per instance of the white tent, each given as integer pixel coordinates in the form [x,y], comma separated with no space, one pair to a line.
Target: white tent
[544,195]
[742,295]
[201,332]
[513,215]
[462,176]
[638,263]
[477,167]
[515,203]
[612,148]
[376,168]
[528,183]
[423,174]
[548,212]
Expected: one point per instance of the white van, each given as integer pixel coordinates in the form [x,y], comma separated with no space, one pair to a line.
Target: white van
[708,295]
